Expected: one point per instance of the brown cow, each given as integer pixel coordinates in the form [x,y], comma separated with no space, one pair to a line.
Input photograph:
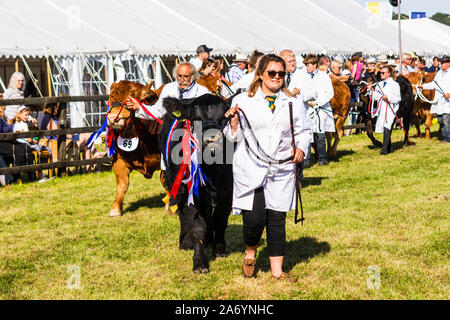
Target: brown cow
[422,108]
[210,82]
[146,157]
[339,105]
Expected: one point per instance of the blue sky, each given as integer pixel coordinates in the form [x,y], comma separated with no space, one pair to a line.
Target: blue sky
[429,6]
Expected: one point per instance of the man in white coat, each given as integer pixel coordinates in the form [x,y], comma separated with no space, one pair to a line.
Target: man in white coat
[387,93]
[441,105]
[317,94]
[295,76]
[185,87]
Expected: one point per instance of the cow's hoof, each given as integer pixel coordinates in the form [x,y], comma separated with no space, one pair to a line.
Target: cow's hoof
[220,250]
[201,270]
[114,213]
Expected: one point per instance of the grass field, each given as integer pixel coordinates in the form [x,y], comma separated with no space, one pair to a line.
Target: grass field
[365,214]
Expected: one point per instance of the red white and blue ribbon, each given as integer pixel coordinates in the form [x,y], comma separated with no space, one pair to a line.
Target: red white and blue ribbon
[94,136]
[169,139]
[190,172]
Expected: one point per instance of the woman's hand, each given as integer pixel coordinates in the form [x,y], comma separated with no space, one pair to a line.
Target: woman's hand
[132,103]
[233,114]
[298,155]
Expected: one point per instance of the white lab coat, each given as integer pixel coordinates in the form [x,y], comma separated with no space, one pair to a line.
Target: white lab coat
[273,133]
[170,90]
[386,115]
[244,82]
[196,62]
[298,78]
[440,105]
[321,90]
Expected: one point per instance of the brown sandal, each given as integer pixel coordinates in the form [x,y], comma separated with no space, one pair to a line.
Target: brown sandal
[285,277]
[248,267]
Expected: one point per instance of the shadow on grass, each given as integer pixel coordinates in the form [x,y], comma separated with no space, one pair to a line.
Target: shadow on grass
[312,181]
[151,202]
[396,145]
[342,153]
[297,251]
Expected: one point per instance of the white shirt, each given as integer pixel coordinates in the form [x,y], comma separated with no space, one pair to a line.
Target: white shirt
[386,114]
[21,126]
[441,83]
[170,90]
[320,89]
[196,62]
[11,111]
[297,79]
[244,82]
[272,131]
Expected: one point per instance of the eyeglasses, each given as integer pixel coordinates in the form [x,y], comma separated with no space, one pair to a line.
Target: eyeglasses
[272,74]
[182,76]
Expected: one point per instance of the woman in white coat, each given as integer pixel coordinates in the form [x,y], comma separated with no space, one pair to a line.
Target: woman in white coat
[264,191]
[387,93]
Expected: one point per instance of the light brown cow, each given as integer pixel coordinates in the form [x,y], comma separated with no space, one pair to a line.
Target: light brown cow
[146,158]
[421,108]
[339,105]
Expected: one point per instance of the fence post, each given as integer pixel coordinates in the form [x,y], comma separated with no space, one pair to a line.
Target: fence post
[62,121]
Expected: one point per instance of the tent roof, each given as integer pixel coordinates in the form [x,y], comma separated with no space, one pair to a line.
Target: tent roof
[428,30]
[151,27]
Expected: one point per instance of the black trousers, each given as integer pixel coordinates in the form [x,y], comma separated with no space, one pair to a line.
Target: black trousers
[255,220]
[17,154]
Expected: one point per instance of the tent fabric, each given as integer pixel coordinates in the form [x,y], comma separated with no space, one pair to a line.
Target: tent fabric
[171,27]
[427,30]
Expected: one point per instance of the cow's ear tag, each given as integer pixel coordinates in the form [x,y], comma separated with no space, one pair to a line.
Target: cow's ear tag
[177,113]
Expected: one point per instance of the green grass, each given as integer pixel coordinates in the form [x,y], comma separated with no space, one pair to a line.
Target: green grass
[366,210]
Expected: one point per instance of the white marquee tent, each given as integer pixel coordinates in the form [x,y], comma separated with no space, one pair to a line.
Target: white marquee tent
[127,39]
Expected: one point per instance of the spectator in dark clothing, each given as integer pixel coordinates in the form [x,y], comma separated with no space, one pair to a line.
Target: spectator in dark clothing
[31,88]
[434,67]
[12,152]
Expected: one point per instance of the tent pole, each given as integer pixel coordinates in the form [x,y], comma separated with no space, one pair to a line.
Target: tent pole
[106,77]
[400,38]
[16,65]
[49,83]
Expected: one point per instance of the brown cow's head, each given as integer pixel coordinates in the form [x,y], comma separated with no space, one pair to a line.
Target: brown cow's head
[209,82]
[120,91]
[415,78]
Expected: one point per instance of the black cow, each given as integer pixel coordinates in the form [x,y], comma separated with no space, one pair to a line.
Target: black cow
[405,109]
[206,220]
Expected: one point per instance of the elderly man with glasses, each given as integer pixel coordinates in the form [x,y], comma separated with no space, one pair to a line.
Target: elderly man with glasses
[185,87]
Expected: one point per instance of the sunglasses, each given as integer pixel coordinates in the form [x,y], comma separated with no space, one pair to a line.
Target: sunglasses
[383,72]
[272,74]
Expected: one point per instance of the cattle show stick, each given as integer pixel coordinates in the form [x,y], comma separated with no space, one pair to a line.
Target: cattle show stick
[298,169]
